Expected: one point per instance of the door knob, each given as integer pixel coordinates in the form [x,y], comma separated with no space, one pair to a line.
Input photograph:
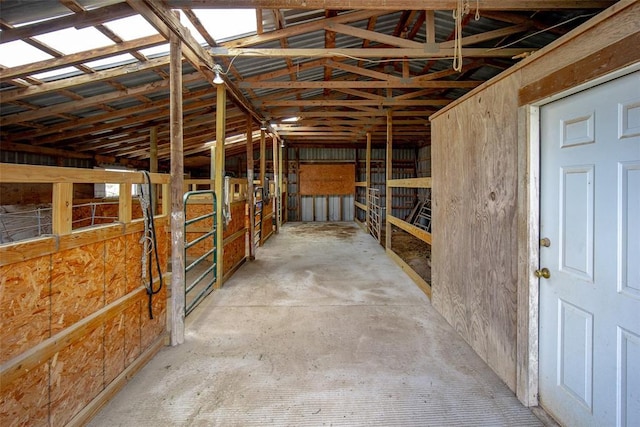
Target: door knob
[545,242]
[543,273]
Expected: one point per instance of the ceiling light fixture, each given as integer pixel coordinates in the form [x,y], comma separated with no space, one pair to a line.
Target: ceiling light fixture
[263,125]
[218,78]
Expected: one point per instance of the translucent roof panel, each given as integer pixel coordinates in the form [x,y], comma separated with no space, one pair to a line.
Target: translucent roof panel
[227,24]
[71,40]
[57,73]
[17,53]
[111,61]
[131,28]
[155,51]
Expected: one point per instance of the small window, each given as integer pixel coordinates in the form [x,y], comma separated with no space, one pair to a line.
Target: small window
[112,190]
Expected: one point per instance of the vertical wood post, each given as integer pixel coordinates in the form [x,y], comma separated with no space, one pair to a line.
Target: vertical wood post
[221,118]
[389,171]
[430,20]
[368,178]
[153,163]
[263,156]
[124,203]
[153,150]
[62,204]
[298,195]
[177,205]
[280,188]
[276,181]
[250,196]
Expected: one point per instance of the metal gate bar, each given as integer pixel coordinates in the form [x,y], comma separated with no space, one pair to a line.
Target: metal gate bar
[200,260]
[374,213]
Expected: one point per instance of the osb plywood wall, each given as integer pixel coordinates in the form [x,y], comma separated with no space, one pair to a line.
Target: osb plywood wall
[50,294]
[320,180]
[267,220]
[234,235]
[477,282]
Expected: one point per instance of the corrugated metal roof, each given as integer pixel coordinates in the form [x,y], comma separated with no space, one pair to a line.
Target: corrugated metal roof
[124,97]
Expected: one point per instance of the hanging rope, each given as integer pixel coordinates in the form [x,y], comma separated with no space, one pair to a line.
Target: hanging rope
[149,242]
[462,9]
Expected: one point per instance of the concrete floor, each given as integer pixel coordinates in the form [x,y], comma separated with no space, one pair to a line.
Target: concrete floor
[321,329]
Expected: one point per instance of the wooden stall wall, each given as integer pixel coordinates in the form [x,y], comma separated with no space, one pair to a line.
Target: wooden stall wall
[479,225]
[77,317]
[74,319]
[235,238]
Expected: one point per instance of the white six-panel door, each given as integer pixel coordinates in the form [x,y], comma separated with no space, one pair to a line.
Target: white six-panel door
[589,338]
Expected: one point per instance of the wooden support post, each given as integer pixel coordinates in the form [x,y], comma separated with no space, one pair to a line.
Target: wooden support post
[124,203]
[177,205]
[221,119]
[430,20]
[298,195]
[368,178]
[153,151]
[62,208]
[250,196]
[389,171]
[280,202]
[276,198]
[263,156]
[153,164]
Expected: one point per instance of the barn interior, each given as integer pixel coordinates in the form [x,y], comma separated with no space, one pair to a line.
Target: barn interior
[153,150]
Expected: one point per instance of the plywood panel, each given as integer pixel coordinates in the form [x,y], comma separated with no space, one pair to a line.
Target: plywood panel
[133,250]
[318,180]
[76,377]
[132,328]
[25,401]
[25,305]
[152,328]
[475,194]
[77,284]
[114,347]
[234,252]
[237,222]
[115,269]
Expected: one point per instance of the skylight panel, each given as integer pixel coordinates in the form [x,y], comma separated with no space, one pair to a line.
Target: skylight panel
[57,73]
[228,24]
[131,27]
[111,61]
[152,52]
[18,53]
[71,40]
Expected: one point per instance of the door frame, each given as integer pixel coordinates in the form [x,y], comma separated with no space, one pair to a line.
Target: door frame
[528,206]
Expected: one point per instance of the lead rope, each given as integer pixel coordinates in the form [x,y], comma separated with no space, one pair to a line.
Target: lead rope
[462,9]
[149,242]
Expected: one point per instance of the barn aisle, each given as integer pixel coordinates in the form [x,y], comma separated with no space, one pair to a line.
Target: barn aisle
[321,329]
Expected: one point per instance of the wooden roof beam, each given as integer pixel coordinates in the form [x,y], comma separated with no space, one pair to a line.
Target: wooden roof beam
[370,53]
[390,4]
[163,20]
[363,84]
[80,57]
[78,20]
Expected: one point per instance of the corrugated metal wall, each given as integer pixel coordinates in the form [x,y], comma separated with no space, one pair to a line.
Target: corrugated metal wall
[404,166]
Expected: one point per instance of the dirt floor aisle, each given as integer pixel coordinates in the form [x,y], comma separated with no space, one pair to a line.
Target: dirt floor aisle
[321,329]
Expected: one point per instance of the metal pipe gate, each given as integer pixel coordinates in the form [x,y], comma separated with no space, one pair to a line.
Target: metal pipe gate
[195,290]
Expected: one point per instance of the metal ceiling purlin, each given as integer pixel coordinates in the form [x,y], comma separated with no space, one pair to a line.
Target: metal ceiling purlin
[338,65]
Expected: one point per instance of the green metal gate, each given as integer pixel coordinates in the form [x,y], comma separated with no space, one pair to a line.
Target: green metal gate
[200,269]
